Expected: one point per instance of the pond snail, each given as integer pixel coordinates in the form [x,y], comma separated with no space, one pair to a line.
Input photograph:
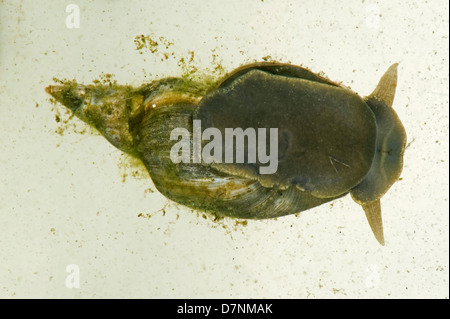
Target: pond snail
[328,140]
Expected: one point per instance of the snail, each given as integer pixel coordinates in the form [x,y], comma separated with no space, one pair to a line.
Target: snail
[328,141]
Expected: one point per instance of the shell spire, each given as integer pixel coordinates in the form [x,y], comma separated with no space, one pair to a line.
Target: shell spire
[111,109]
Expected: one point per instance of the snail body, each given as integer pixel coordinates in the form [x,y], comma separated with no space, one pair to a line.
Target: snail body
[330,142]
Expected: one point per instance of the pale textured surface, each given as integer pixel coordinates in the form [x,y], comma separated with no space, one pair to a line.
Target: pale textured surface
[63,200]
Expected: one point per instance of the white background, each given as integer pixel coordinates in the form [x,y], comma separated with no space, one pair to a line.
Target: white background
[63,200]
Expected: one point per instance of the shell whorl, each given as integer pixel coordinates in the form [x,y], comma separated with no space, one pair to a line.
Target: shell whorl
[202,187]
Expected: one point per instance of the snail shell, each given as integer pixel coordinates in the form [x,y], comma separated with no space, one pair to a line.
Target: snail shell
[330,140]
